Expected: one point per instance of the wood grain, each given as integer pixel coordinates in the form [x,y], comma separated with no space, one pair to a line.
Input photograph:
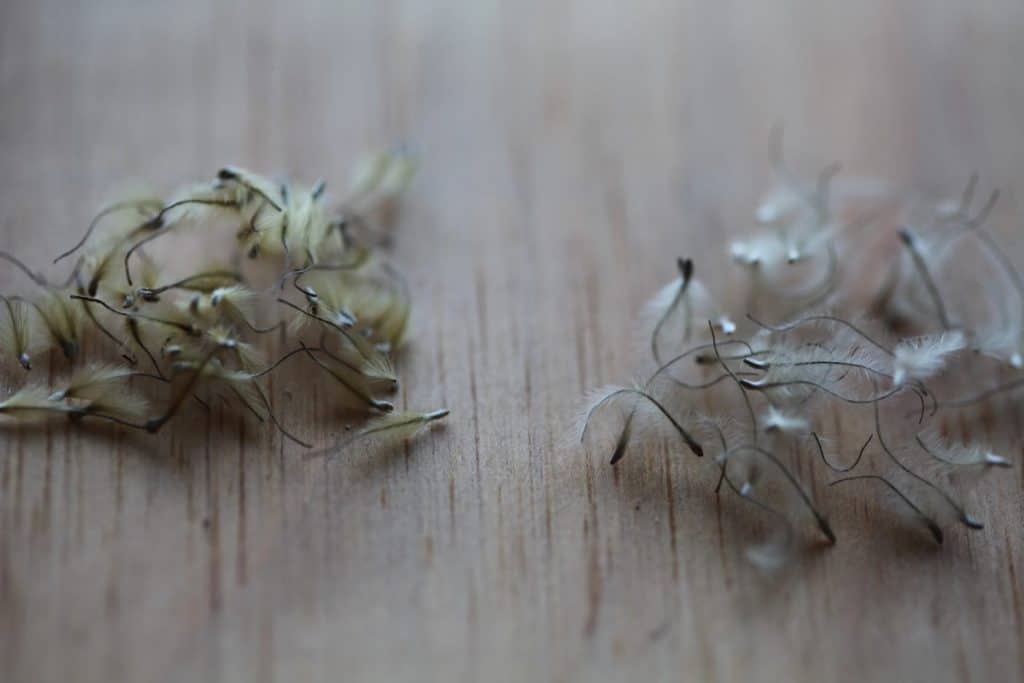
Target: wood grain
[570,150]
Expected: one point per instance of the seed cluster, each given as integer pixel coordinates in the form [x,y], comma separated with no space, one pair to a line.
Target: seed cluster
[333,297]
[757,380]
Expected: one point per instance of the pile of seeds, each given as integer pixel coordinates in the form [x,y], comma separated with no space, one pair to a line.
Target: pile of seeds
[851,309]
[330,295]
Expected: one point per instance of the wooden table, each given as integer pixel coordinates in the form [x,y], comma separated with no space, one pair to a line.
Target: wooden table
[570,151]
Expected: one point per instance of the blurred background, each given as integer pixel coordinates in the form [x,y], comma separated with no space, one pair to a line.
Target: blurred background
[569,152]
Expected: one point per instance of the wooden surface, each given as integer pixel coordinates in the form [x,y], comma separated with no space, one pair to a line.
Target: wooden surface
[570,151]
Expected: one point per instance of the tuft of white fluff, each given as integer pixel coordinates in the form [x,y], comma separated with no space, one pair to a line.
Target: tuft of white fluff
[659,303]
[922,357]
[959,455]
[770,556]
[763,249]
[778,205]
[775,420]
[725,324]
[594,401]
[697,304]
[1001,343]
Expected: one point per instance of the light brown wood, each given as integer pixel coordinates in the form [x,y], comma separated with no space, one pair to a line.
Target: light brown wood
[569,152]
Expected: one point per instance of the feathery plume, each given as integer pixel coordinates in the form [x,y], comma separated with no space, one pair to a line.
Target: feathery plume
[923,357]
[17,331]
[397,427]
[91,381]
[31,404]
